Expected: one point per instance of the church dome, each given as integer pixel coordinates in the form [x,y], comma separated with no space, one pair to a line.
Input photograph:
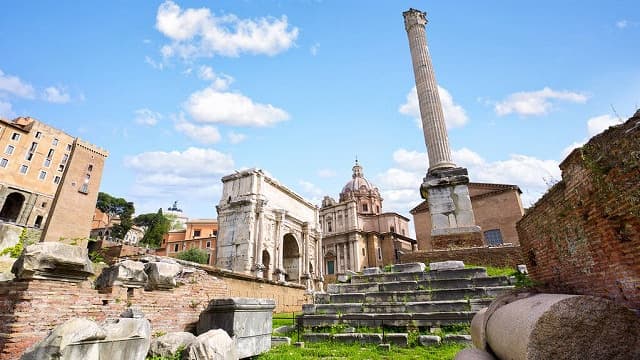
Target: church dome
[358,181]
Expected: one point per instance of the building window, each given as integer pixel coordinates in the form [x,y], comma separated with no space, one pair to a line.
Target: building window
[50,154]
[493,237]
[15,136]
[65,158]
[175,248]
[38,134]
[196,233]
[38,222]
[365,208]
[56,180]
[330,267]
[380,254]
[392,228]
[84,188]
[329,228]
[29,156]
[363,253]
[46,163]
[61,168]
[208,244]
[4,162]
[54,142]
[68,147]
[34,146]
[9,149]
[43,175]
[24,169]
[90,168]
[215,233]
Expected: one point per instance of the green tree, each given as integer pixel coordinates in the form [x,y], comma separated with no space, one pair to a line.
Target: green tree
[156,225]
[194,255]
[175,223]
[113,206]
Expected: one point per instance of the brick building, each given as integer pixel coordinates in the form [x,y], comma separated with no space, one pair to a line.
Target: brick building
[198,233]
[48,179]
[496,207]
[356,233]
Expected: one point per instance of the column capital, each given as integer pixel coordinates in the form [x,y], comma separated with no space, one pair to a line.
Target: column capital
[413,17]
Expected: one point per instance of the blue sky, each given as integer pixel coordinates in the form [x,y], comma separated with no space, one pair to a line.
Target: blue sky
[182,93]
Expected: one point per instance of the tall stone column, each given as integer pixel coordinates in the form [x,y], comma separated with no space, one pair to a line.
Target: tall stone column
[433,124]
[445,185]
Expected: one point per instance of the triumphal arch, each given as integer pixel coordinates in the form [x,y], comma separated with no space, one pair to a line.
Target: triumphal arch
[267,230]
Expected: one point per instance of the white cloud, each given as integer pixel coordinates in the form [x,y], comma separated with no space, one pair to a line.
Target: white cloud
[146,117]
[154,64]
[326,173]
[314,49]
[218,82]
[598,124]
[6,110]
[13,85]
[193,174]
[539,102]
[454,114]
[203,134]
[199,33]
[56,95]
[211,105]
[621,24]
[236,138]
[400,184]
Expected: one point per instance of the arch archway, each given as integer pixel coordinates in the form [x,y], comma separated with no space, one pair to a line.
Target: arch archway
[12,207]
[291,257]
[266,261]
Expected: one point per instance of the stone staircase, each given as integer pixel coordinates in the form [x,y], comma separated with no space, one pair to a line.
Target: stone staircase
[407,297]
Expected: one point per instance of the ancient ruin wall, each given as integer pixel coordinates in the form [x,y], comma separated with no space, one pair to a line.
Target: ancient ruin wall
[583,236]
[505,256]
[30,309]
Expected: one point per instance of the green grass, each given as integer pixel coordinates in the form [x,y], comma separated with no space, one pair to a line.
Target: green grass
[494,270]
[332,350]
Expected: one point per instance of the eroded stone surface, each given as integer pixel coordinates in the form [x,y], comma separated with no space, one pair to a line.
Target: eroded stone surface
[409,267]
[167,345]
[212,345]
[162,275]
[72,331]
[53,260]
[446,265]
[126,273]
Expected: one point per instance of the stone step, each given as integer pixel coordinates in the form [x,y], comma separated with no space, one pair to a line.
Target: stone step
[468,273]
[433,284]
[398,339]
[411,296]
[388,319]
[394,307]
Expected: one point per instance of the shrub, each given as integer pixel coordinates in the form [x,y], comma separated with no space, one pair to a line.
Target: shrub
[194,255]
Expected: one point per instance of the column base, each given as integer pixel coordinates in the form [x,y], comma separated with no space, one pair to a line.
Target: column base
[457,239]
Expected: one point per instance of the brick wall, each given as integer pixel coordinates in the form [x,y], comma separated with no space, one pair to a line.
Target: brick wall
[583,236]
[499,256]
[30,309]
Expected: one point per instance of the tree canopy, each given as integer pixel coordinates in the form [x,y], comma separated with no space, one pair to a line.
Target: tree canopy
[156,225]
[113,206]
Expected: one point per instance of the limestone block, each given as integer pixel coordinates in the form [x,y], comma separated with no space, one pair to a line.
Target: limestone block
[212,345]
[477,330]
[248,320]
[333,288]
[53,260]
[465,218]
[372,271]
[342,278]
[428,340]
[462,199]
[458,338]
[127,328]
[440,201]
[522,269]
[409,267]
[9,236]
[446,265]
[350,273]
[473,354]
[557,326]
[285,329]
[162,275]
[167,345]
[280,340]
[439,221]
[133,313]
[71,331]
[127,273]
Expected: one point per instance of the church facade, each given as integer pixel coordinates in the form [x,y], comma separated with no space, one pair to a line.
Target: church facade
[269,231]
[357,234]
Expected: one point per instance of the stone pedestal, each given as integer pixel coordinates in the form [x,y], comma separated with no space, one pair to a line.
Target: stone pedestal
[249,320]
[53,261]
